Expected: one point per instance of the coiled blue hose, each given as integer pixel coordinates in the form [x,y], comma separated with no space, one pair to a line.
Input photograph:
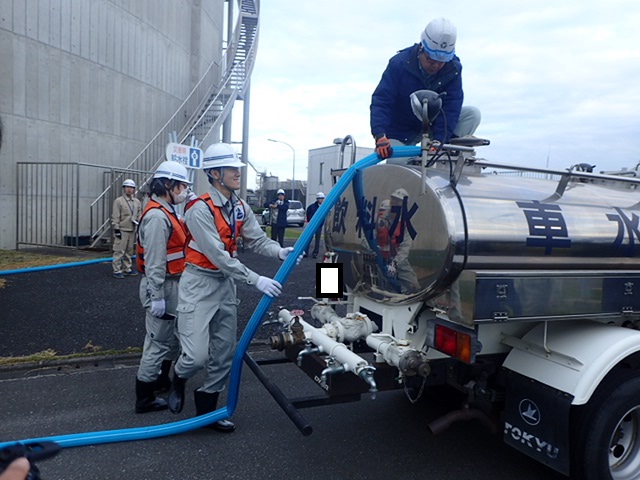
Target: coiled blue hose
[143,433]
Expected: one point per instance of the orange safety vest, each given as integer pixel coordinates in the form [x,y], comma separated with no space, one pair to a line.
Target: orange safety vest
[175,245]
[227,233]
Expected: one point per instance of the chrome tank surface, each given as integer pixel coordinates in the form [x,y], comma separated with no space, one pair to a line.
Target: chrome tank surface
[415,248]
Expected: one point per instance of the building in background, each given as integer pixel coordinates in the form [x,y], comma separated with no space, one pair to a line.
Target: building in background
[324,160]
[89,90]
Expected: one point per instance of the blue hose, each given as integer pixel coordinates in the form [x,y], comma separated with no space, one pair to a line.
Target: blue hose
[143,433]
[54,267]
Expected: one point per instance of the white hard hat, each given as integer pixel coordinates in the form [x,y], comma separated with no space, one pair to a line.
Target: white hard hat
[400,193]
[280,192]
[439,39]
[319,195]
[221,155]
[384,205]
[173,171]
[129,183]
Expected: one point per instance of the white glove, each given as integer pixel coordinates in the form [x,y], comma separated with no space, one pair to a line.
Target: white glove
[269,286]
[191,196]
[158,307]
[392,270]
[284,253]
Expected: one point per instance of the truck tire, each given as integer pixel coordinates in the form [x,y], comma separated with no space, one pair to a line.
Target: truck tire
[606,433]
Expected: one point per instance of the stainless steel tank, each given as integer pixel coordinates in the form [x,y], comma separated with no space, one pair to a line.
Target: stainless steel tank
[403,245]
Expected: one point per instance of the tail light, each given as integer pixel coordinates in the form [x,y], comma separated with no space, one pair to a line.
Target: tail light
[456,343]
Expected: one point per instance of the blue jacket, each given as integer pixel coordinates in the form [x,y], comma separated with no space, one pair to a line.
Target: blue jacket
[281,212]
[390,105]
[311,211]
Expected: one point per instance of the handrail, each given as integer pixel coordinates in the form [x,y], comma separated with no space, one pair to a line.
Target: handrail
[237,63]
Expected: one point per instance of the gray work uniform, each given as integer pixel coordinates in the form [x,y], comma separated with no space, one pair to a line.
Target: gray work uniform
[161,340]
[207,306]
[124,217]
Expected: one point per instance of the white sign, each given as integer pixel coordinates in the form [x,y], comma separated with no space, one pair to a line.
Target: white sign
[190,157]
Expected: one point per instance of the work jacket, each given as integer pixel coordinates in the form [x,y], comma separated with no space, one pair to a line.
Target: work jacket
[391,111]
[126,213]
[175,255]
[228,233]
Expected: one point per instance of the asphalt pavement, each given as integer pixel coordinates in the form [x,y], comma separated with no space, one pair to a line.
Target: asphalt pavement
[79,309]
[67,309]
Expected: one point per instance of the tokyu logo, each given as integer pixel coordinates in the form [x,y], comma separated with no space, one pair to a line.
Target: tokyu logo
[529,412]
[531,441]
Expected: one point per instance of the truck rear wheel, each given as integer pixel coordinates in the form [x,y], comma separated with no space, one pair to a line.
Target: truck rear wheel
[606,441]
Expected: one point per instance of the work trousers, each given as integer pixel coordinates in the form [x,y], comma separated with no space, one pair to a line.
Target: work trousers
[123,251]
[316,245]
[277,234]
[207,326]
[161,341]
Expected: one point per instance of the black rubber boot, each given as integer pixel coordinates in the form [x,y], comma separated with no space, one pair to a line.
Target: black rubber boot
[176,397]
[146,400]
[163,383]
[206,403]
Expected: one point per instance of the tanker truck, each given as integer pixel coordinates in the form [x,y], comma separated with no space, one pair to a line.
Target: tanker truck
[514,286]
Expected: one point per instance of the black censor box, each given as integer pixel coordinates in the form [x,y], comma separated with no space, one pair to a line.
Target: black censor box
[329,280]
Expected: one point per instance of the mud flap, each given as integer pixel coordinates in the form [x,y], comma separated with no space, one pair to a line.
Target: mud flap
[537,421]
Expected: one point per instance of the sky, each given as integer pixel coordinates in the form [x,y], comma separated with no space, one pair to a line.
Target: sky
[558,83]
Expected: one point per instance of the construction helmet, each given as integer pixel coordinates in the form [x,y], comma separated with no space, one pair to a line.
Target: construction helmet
[400,193]
[280,192]
[221,155]
[173,171]
[384,205]
[129,183]
[439,39]
[319,195]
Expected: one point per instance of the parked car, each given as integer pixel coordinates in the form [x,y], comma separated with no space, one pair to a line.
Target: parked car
[295,215]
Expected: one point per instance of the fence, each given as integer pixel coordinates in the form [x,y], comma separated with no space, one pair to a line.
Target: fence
[56,205]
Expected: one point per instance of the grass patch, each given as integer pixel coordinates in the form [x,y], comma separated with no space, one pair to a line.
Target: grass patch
[51,355]
[292,233]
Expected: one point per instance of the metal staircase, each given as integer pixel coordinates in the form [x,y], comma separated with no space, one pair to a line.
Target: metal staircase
[209,104]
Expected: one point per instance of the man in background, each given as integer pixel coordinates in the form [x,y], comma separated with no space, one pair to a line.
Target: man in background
[124,220]
[311,211]
[278,215]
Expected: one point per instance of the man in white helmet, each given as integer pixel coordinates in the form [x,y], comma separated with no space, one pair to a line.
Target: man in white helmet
[278,216]
[311,211]
[124,219]
[207,320]
[428,65]
[160,258]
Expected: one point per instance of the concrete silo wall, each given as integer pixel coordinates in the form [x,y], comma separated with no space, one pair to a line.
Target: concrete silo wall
[94,80]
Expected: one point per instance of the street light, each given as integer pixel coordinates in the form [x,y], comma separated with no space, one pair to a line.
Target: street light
[293,174]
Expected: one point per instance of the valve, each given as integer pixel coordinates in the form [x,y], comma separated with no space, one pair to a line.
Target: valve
[295,335]
[366,374]
[308,349]
[331,369]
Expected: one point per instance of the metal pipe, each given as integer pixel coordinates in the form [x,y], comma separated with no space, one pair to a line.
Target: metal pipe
[354,326]
[408,360]
[351,361]
[292,412]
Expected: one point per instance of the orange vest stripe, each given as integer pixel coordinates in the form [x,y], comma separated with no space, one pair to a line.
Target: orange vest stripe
[227,236]
[175,245]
